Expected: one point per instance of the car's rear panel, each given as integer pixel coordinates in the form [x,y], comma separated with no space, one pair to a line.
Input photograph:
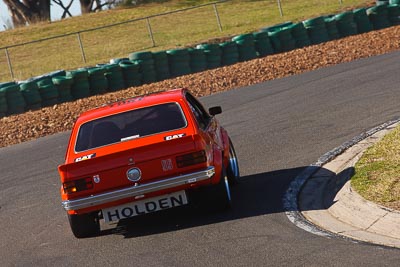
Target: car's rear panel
[156,157]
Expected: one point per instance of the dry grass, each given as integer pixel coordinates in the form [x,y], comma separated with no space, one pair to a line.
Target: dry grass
[170,31]
[377,175]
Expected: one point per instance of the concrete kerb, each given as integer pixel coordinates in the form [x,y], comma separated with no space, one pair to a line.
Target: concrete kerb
[321,200]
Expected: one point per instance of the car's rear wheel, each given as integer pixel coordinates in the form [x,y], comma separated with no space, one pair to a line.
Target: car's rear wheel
[222,193]
[84,225]
[233,166]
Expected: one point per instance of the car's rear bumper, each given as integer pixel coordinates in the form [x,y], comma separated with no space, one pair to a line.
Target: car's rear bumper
[138,190]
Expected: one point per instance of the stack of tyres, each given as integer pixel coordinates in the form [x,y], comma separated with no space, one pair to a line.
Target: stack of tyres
[146,65]
[3,99]
[230,53]
[98,82]
[3,104]
[262,44]
[284,37]
[80,88]
[378,15]
[161,65]
[213,55]
[394,14]
[331,28]
[48,91]
[198,61]
[300,35]
[15,101]
[63,84]
[345,24]
[276,43]
[317,30]
[114,76]
[30,91]
[130,71]
[362,20]
[245,44]
[179,62]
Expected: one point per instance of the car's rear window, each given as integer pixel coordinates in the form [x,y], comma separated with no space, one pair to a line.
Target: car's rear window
[130,125]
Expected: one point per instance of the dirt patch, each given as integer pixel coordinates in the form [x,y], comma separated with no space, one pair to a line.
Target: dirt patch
[33,124]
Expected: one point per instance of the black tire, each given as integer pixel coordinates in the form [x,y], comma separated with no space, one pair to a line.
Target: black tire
[222,193]
[232,171]
[84,225]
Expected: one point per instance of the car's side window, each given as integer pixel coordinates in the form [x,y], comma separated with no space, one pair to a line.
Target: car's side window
[199,112]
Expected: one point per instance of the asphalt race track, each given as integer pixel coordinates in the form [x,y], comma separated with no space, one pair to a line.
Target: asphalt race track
[278,128]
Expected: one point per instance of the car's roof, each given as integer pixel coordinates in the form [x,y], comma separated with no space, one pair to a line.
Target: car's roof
[133,103]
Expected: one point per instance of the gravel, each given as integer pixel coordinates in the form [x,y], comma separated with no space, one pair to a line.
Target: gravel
[59,118]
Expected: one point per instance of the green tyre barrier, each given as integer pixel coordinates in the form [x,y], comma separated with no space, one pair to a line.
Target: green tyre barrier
[63,85]
[161,65]
[140,55]
[114,76]
[300,35]
[80,87]
[146,66]
[3,104]
[98,83]
[213,55]
[179,62]
[230,53]
[130,72]
[277,26]
[345,24]
[362,20]
[394,14]
[30,92]
[276,43]
[15,101]
[198,60]
[318,35]
[149,77]
[48,92]
[245,45]
[318,21]
[378,15]
[331,28]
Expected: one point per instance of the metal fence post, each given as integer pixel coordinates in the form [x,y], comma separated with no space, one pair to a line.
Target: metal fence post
[218,18]
[280,8]
[150,32]
[9,63]
[81,46]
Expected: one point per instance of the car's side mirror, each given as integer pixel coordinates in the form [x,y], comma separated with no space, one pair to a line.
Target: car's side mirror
[215,110]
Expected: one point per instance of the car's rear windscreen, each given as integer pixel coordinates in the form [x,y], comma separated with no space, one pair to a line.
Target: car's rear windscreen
[130,125]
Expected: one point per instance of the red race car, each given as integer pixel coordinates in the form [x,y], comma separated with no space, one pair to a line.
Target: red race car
[142,155]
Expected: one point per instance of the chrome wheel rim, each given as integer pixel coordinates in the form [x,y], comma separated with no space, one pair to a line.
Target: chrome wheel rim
[233,163]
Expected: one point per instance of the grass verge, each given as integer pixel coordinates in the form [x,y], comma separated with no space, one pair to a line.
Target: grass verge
[174,30]
[377,173]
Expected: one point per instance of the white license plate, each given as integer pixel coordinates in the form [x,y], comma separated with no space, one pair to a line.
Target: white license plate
[145,206]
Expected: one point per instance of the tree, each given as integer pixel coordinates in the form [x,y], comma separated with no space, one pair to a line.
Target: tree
[27,12]
[89,6]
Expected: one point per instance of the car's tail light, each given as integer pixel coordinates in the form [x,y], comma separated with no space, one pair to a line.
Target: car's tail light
[77,185]
[191,159]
